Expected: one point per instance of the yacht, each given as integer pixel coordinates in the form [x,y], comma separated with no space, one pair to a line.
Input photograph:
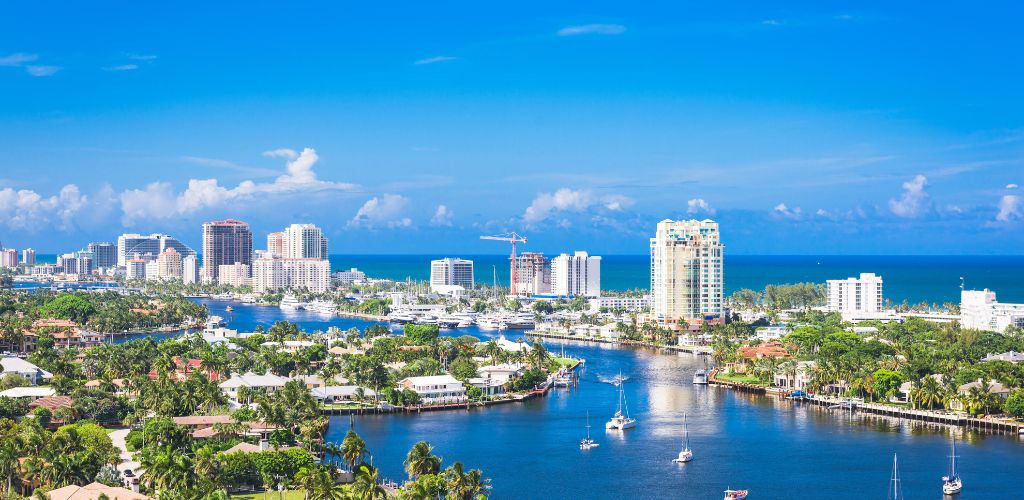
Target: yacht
[520,321]
[490,323]
[621,420]
[588,443]
[700,377]
[448,321]
[324,307]
[563,378]
[685,455]
[951,484]
[399,317]
[290,303]
[731,494]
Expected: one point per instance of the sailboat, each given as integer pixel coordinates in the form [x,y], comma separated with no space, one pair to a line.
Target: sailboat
[895,489]
[588,443]
[621,421]
[685,455]
[951,484]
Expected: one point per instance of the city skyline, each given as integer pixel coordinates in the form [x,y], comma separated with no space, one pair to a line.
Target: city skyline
[800,128]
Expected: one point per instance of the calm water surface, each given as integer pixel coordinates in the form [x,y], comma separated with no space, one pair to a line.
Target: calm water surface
[777,449]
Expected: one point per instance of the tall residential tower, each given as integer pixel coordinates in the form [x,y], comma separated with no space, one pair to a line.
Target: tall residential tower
[686,271]
[225,242]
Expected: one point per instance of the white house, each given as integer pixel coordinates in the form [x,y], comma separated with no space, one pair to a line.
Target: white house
[336,393]
[269,383]
[28,392]
[1009,356]
[436,389]
[795,380]
[24,369]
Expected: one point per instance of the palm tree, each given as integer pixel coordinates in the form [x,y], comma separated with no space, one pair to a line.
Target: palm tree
[8,462]
[455,479]
[421,460]
[367,484]
[353,449]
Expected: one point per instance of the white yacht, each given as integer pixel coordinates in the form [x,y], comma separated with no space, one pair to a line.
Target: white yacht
[490,323]
[290,303]
[521,321]
[700,377]
[324,307]
[588,443]
[686,454]
[621,420]
[951,484]
[401,317]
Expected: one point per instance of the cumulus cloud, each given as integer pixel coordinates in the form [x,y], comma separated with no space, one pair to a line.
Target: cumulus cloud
[1011,186]
[442,216]
[16,60]
[281,153]
[385,210]
[158,200]
[1009,208]
[434,60]
[912,201]
[781,210]
[122,67]
[698,205]
[26,209]
[592,29]
[42,70]
[546,205]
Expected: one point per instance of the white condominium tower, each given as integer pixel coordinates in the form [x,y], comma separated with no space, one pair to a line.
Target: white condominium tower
[686,270]
[303,241]
[287,274]
[451,272]
[853,296]
[576,275]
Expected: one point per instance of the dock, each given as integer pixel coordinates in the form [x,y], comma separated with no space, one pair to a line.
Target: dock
[699,349]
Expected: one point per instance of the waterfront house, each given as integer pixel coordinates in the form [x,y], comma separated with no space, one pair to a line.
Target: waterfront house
[341,393]
[24,369]
[794,375]
[492,378]
[903,393]
[994,388]
[773,349]
[1009,356]
[436,389]
[268,383]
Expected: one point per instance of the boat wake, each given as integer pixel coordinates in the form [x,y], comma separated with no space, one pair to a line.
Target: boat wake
[614,380]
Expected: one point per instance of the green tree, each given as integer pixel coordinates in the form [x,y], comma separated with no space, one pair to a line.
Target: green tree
[421,460]
[1014,404]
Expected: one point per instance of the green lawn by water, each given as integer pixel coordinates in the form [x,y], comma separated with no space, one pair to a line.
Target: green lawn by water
[272,495]
[741,378]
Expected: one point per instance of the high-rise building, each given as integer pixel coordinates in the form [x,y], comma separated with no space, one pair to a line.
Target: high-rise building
[285,274]
[8,258]
[533,274]
[28,257]
[190,269]
[152,270]
[169,265]
[451,272]
[147,247]
[79,263]
[855,296]
[686,271]
[576,275]
[304,241]
[275,244]
[104,254]
[980,310]
[135,269]
[236,274]
[225,242]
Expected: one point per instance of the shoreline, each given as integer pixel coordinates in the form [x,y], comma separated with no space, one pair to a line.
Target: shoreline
[698,350]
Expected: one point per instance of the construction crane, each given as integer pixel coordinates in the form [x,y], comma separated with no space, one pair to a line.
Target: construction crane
[512,238]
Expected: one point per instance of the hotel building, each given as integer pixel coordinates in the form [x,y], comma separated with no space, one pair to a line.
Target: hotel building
[449,272]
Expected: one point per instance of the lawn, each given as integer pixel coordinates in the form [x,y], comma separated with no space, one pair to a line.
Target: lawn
[739,378]
[568,362]
[272,495]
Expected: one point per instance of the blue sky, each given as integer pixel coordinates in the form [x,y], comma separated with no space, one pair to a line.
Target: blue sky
[803,127]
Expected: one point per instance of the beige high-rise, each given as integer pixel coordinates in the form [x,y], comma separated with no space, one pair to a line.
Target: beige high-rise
[686,271]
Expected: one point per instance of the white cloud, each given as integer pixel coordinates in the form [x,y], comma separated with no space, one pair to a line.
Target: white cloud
[592,29]
[281,153]
[42,70]
[782,210]
[912,201]
[159,201]
[141,57]
[821,212]
[26,209]
[385,210]
[1011,186]
[16,60]
[1009,208]
[771,22]
[434,60]
[442,216]
[545,205]
[122,67]
[698,205]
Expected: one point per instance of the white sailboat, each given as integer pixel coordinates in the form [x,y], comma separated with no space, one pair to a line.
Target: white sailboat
[588,443]
[685,455]
[951,484]
[620,420]
[895,489]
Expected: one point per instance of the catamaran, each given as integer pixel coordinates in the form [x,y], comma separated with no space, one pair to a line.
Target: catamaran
[588,443]
[685,455]
[621,421]
[951,484]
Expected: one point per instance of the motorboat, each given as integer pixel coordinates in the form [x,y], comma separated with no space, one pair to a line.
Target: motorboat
[290,303]
[324,307]
[563,378]
[588,443]
[951,484]
[700,377]
[401,318]
[621,420]
[685,455]
[731,494]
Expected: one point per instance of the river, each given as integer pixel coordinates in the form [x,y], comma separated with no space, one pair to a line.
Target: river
[775,448]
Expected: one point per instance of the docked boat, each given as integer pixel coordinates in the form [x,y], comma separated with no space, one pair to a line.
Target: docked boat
[401,318]
[621,420]
[685,455]
[290,303]
[588,443]
[519,322]
[700,377]
[731,494]
[951,484]
[324,307]
[563,378]
[229,309]
[448,321]
[491,323]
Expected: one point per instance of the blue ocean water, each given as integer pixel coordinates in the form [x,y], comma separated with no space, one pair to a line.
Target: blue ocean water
[911,278]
